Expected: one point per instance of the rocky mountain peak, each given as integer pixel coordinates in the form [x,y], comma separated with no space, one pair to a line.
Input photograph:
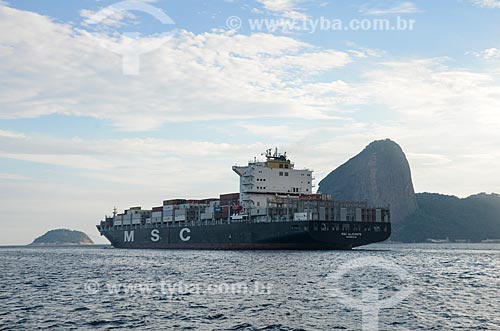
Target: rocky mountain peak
[380,175]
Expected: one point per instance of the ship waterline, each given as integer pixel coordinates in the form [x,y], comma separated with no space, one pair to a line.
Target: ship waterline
[275,209]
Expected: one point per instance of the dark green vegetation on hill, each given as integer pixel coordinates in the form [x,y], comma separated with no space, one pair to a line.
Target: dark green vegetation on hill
[440,216]
[63,237]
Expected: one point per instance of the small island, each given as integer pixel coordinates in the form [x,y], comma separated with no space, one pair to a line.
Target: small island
[62,237]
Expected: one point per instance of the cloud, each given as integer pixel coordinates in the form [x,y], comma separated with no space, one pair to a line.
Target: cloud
[256,11]
[313,62]
[487,54]
[440,110]
[493,4]
[284,8]
[9,176]
[227,76]
[118,14]
[11,134]
[429,86]
[110,160]
[191,77]
[365,52]
[108,17]
[276,133]
[401,8]
[278,5]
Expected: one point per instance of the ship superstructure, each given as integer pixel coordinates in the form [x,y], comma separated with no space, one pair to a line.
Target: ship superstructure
[261,181]
[275,209]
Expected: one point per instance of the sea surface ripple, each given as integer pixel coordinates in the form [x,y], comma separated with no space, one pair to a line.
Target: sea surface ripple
[454,287]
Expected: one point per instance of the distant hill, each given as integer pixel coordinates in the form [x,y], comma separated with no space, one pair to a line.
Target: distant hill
[380,175]
[63,237]
[440,216]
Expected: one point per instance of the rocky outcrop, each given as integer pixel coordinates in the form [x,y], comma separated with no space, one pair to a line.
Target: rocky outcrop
[62,237]
[380,175]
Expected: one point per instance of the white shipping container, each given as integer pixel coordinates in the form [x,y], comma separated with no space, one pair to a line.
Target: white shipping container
[180,218]
[168,218]
[206,216]
[156,214]
[301,216]
[127,222]
[322,213]
[358,214]
[117,223]
[136,221]
[343,214]
[258,211]
[148,220]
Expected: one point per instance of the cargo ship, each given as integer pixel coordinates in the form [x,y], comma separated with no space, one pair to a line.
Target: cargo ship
[275,208]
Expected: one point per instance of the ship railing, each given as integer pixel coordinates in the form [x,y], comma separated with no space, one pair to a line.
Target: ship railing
[273,219]
[255,162]
[315,225]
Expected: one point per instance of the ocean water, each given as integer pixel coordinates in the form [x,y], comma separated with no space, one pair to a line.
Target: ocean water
[391,286]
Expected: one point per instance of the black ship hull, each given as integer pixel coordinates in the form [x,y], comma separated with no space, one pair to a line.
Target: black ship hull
[295,235]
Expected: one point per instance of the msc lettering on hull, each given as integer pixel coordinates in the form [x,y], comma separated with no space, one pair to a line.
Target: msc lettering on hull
[155,235]
[128,236]
[183,235]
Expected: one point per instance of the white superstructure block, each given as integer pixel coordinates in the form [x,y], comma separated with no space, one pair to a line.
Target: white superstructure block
[259,180]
